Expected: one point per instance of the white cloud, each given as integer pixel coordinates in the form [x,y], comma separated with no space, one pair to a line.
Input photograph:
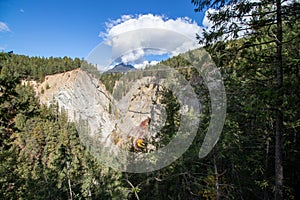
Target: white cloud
[127,23]
[132,37]
[206,22]
[4,27]
[145,63]
[22,10]
[133,55]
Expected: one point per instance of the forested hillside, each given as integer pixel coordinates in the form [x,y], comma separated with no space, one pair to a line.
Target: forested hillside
[36,68]
[41,156]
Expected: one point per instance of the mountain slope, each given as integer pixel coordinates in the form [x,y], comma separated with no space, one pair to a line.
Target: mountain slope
[121,68]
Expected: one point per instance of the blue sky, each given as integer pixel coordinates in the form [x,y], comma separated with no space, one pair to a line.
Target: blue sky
[71,28]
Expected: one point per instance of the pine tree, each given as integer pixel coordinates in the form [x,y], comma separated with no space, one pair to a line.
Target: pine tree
[261,24]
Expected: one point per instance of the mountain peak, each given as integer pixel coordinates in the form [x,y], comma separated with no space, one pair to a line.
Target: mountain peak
[121,67]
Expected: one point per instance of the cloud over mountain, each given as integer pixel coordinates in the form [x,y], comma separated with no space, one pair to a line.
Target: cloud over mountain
[134,36]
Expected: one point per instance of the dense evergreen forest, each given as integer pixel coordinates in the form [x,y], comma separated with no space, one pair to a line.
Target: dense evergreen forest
[256,157]
[36,68]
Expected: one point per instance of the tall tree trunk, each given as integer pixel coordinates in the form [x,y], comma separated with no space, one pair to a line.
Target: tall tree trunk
[266,196]
[69,181]
[216,177]
[279,102]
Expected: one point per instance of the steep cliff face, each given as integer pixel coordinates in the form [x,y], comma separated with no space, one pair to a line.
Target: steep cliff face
[115,123]
[82,96]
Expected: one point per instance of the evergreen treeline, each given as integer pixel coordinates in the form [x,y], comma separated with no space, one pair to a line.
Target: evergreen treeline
[36,68]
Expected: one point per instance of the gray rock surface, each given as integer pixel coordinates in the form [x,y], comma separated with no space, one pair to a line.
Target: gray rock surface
[97,114]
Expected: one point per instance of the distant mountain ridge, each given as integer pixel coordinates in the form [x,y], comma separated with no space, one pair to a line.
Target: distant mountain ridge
[121,68]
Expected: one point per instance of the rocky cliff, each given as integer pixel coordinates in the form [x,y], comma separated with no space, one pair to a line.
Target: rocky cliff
[100,116]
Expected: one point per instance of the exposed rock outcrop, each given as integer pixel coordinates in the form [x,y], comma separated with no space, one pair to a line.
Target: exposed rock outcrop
[114,123]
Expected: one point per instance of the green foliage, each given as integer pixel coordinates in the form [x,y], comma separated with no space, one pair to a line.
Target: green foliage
[172,106]
[176,62]
[47,86]
[36,68]
[257,72]
[110,79]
